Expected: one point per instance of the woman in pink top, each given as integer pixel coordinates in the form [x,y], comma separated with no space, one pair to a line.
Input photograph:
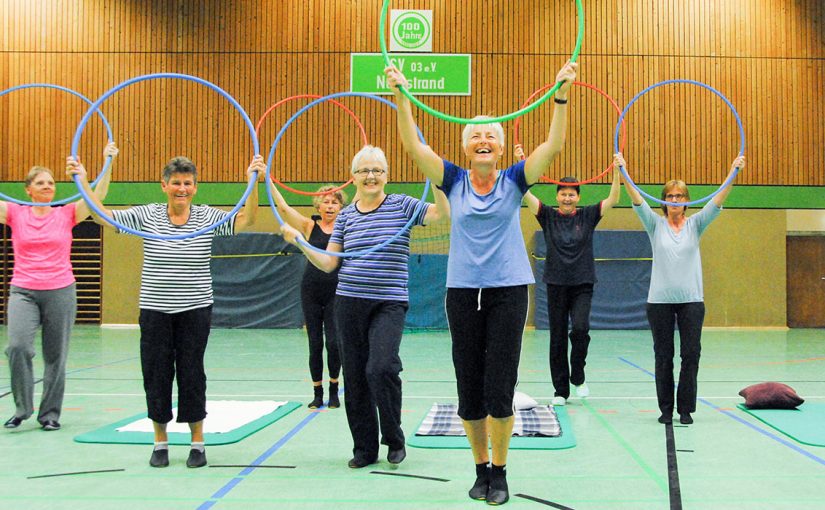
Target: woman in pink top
[42,292]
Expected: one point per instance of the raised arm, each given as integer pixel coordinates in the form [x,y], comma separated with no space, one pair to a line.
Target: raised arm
[425,158]
[439,212]
[615,191]
[74,167]
[82,209]
[324,262]
[246,216]
[291,216]
[719,199]
[635,196]
[539,160]
[532,202]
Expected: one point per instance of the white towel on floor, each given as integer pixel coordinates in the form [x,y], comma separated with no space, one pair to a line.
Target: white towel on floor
[223,416]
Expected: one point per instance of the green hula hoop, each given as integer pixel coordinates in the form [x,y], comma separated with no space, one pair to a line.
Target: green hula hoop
[462,120]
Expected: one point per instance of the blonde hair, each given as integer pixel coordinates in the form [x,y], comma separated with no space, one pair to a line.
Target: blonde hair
[339,195]
[468,130]
[675,184]
[34,172]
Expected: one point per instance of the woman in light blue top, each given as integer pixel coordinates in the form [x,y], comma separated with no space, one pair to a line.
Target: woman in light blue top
[487,273]
[675,296]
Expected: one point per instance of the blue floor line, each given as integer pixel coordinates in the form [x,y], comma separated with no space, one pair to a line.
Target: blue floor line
[762,431]
[223,491]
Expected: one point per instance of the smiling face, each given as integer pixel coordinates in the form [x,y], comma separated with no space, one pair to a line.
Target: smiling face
[180,189]
[40,185]
[370,176]
[567,200]
[483,143]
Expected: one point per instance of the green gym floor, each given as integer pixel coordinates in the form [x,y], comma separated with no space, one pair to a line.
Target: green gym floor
[725,460]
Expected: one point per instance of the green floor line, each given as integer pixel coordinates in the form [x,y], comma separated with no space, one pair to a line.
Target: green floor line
[633,454]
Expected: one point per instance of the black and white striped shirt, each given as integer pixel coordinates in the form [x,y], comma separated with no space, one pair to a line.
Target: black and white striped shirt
[176,275]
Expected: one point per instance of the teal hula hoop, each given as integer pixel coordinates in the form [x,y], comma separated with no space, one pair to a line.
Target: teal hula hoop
[462,120]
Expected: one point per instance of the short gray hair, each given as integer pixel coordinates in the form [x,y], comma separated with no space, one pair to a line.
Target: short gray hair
[468,130]
[368,151]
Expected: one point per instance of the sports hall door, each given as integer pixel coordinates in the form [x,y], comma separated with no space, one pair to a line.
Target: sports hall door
[805,257]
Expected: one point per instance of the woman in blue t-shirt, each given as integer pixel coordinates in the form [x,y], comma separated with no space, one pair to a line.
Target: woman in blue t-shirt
[569,273]
[318,289]
[487,272]
[676,294]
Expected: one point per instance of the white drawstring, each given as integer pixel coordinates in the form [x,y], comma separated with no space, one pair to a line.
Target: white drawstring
[479,300]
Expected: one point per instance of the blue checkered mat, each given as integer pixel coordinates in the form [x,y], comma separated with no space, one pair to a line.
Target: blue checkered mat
[442,419]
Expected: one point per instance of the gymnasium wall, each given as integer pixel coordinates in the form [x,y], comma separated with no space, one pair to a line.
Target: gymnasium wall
[767,57]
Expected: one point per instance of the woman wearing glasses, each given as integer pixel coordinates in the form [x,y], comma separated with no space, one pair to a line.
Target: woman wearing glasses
[675,295]
[371,302]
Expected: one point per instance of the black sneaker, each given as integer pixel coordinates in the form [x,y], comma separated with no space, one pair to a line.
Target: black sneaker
[396,456]
[197,458]
[13,422]
[665,419]
[159,458]
[685,419]
[358,463]
[498,493]
[479,489]
[50,425]
[334,403]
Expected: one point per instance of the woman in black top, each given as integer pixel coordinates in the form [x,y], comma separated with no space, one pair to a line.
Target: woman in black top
[569,273]
[318,290]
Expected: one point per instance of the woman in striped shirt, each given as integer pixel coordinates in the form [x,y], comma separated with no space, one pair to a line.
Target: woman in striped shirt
[176,297]
[371,302]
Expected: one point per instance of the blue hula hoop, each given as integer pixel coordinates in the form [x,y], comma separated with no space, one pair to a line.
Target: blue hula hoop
[738,123]
[301,240]
[105,123]
[253,181]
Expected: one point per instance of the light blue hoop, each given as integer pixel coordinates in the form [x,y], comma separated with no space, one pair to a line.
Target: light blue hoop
[302,241]
[741,142]
[253,181]
[106,165]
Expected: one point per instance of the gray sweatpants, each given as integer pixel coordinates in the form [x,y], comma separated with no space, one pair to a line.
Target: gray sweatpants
[28,309]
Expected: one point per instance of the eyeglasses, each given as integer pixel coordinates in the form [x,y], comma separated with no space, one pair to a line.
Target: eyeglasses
[674,196]
[378,172]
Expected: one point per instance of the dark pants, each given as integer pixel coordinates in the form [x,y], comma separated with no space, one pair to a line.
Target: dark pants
[317,302]
[568,302]
[486,326]
[173,343]
[662,318]
[370,334]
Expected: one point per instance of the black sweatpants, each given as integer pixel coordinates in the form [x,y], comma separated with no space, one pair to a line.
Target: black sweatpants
[174,343]
[370,333]
[486,326]
[568,305]
[662,318]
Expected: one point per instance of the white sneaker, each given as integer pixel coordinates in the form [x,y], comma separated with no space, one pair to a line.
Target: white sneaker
[582,391]
[558,401]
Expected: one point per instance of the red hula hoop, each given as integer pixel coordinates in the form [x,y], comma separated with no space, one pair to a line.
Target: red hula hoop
[311,96]
[580,84]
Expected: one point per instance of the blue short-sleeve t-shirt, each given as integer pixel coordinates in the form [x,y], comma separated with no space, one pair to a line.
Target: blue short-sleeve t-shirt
[486,244]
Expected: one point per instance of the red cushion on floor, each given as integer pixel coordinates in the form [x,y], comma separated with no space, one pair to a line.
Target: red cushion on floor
[771,395]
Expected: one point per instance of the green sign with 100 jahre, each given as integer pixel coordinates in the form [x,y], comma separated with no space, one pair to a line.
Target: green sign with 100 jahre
[431,74]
